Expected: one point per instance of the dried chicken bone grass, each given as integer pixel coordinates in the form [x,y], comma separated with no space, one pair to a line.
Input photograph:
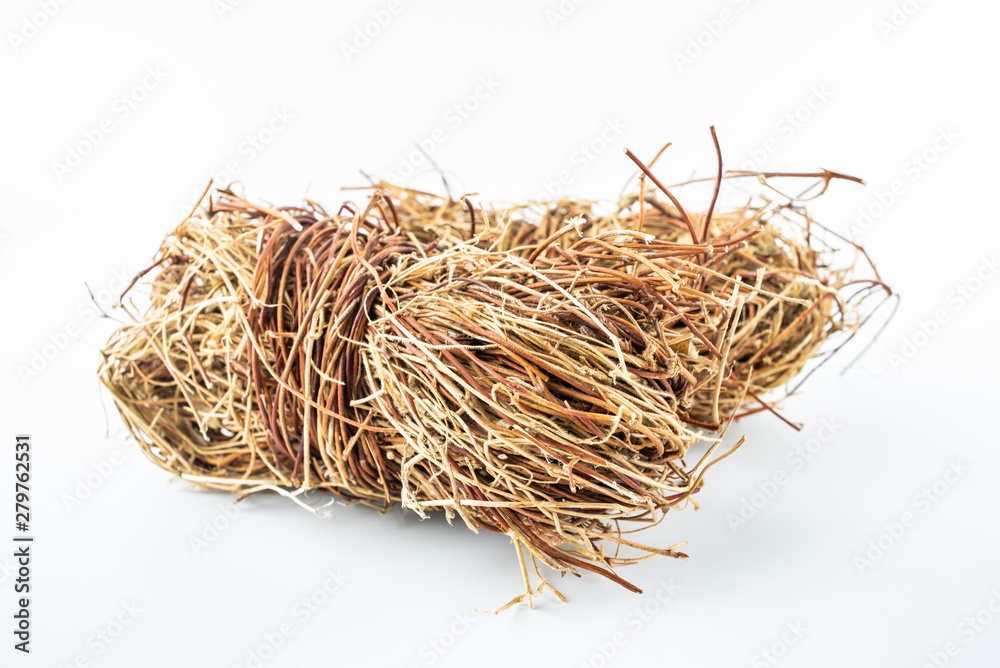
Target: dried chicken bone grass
[544,380]
[178,371]
[540,401]
[789,254]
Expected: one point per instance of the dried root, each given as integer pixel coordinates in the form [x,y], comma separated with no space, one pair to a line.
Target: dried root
[541,371]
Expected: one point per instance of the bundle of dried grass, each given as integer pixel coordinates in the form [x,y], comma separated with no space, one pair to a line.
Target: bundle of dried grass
[542,378]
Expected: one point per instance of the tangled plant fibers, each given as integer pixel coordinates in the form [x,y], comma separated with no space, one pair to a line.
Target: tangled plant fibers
[541,370]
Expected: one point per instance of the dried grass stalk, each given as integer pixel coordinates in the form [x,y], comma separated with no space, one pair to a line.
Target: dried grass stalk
[541,371]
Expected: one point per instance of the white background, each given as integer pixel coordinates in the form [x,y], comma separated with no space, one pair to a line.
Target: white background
[866,97]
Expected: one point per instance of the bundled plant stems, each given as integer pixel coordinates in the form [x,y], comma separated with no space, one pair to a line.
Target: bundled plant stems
[541,371]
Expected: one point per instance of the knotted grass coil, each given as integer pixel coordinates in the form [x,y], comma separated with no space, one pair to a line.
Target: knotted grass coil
[543,370]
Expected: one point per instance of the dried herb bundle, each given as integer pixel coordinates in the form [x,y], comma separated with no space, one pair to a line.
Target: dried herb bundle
[540,371]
